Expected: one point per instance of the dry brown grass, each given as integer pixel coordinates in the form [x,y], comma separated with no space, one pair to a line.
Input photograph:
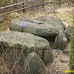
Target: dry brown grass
[65,14]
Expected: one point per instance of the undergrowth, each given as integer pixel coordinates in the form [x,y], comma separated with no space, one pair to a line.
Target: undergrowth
[71,62]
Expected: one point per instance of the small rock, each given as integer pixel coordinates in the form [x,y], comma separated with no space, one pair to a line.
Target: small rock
[64,59]
[55,53]
[61,41]
[66,51]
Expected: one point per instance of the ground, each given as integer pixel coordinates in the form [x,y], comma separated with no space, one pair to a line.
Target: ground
[60,63]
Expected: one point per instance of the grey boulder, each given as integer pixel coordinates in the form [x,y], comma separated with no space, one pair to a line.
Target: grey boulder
[33,26]
[33,64]
[53,21]
[23,40]
[17,41]
[59,41]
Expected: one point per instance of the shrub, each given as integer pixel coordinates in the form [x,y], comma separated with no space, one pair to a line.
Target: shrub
[71,62]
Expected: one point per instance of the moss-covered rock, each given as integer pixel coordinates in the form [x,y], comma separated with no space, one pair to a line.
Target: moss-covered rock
[33,64]
[59,41]
[23,40]
[33,26]
[47,57]
[52,21]
[17,43]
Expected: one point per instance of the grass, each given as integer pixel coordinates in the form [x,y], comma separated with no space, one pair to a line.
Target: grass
[4,23]
[64,14]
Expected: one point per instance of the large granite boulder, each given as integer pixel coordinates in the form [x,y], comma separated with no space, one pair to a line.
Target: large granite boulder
[33,26]
[59,41]
[53,21]
[33,64]
[25,42]
[46,27]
